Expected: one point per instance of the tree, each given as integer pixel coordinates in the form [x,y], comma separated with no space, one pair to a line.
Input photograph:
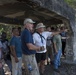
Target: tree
[72,3]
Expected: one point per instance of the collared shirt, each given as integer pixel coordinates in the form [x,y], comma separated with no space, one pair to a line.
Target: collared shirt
[38,42]
[26,37]
[16,41]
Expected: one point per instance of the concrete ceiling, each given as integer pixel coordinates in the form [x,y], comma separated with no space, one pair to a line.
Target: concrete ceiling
[19,10]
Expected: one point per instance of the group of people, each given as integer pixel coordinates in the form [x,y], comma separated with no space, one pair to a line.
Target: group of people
[31,47]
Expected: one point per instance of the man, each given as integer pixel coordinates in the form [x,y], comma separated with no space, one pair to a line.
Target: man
[57,50]
[40,37]
[29,49]
[6,50]
[49,47]
[19,29]
[64,37]
[16,52]
[1,65]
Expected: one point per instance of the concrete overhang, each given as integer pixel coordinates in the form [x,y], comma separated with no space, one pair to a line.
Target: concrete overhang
[47,11]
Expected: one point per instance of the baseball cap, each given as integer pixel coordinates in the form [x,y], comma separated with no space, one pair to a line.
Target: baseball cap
[28,20]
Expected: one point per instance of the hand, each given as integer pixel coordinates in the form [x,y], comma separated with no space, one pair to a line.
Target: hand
[16,60]
[42,48]
[66,30]
[56,52]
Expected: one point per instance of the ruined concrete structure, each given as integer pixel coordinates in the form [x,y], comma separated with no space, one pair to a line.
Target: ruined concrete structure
[47,11]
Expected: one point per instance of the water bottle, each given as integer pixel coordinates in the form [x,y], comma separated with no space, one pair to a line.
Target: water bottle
[30,68]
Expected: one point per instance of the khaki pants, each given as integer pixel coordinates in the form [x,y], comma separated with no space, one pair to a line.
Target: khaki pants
[50,53]
[16,67]
[30,59]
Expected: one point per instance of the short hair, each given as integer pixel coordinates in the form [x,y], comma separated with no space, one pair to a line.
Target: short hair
[53,28]
[13,29]
[19,28]
[3,33]
[62,28]
[48,27]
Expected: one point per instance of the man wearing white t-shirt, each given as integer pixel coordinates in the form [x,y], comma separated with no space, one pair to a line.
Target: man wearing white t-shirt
[40,37]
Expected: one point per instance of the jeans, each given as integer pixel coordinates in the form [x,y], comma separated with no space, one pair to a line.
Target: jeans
[57,59]
[16,67]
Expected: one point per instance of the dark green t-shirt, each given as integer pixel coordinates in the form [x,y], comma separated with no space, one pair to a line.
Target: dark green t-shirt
[57,40]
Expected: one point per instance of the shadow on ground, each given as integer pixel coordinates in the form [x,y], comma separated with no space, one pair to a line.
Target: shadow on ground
[65,69]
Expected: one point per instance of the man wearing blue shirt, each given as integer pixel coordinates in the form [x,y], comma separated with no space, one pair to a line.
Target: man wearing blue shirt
[16,53]
[29,49]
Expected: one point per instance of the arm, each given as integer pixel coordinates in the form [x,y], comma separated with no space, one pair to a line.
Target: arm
[58,32]
[54,43]
[33,47]
[55,33]
[12,48]
[55,48]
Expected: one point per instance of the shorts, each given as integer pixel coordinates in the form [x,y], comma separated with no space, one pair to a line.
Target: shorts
[40,57]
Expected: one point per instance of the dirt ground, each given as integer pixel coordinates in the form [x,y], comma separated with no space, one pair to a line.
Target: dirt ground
[65,69]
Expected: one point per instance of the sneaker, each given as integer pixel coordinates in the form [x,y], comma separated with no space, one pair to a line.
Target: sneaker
[56,70]
[63,56]
[41,73]
[59,66]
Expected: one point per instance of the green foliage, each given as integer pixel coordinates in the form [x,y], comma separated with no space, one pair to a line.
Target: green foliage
[72,3]
[8,29]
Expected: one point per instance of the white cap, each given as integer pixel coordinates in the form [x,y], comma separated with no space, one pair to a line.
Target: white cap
[40,25]
[28,20]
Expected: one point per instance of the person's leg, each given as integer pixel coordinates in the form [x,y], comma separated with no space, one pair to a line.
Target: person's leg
[20,66]
[42,66]
[30,59]
[48,55]
[2,71]
[51,54]
[9,63]
[35,67]
[48,52]
[14,66]
[42,63]
[26,64]
[63,47]
[38,59]
[59,63]
[56,60]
